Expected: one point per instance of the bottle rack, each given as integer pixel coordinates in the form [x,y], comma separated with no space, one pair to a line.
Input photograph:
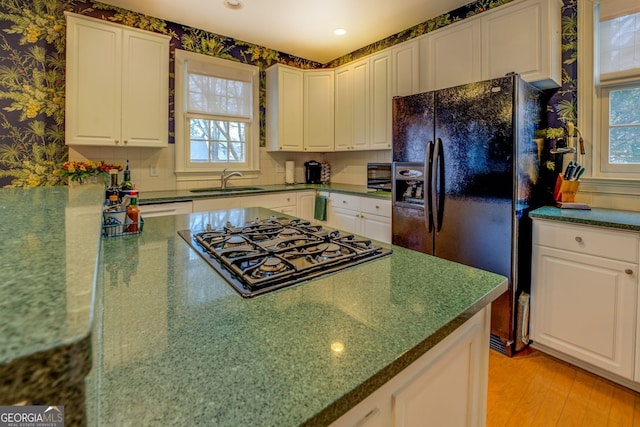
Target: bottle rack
[115,230]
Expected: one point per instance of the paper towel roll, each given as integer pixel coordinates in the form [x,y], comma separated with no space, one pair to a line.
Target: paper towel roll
[289,170]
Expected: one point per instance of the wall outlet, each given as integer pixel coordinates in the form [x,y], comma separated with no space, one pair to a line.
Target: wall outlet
[153,170]
[279,168]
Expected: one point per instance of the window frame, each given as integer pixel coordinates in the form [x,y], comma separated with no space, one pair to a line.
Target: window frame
[590,111]
[185,169]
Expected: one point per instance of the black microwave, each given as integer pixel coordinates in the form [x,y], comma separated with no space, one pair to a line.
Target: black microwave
[379,176]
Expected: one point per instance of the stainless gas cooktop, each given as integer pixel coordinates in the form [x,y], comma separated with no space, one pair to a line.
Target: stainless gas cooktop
[267,254]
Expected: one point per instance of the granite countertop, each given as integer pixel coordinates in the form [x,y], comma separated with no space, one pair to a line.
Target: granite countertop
[48,254]
[166,196]
[624,220]
[175,344]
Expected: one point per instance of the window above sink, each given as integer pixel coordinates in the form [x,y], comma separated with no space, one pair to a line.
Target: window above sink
[216,116]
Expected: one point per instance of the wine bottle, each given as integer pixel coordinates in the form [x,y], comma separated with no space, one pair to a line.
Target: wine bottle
[126,185]
[113,188]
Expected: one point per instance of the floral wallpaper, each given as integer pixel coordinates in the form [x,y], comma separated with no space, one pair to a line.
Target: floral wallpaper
[32,74]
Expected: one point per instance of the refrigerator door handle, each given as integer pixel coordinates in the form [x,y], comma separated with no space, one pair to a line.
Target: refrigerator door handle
[426,186]
[433,185]
[439,207]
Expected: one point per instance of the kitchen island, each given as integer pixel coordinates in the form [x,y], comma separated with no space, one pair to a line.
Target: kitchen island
[176,344]
[168,341]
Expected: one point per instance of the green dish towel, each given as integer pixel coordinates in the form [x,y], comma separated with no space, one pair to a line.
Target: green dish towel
[320,208]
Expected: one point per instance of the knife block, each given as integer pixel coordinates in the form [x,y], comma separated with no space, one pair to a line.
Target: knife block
[565,191]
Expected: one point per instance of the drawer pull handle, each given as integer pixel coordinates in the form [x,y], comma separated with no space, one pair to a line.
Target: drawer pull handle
[578,239]
[628,271]
[377,207]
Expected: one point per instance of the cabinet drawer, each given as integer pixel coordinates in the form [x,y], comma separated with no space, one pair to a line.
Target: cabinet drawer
[375,206]
[606,243]
[345,201]
[270,201]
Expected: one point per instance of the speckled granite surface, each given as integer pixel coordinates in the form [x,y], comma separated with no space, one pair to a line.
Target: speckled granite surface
[47,274]
[176,345]
[624,220]
[148,197]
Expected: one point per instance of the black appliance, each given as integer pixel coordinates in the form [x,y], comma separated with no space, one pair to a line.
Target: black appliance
[379,176]
[269,254]
[465,177]
[312,172]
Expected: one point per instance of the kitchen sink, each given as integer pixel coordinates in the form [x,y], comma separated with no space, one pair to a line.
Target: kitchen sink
[225,190]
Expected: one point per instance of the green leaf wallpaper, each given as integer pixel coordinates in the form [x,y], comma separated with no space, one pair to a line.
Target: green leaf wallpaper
[32,74]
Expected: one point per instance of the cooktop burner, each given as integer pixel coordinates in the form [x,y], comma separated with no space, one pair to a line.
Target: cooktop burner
[268,254]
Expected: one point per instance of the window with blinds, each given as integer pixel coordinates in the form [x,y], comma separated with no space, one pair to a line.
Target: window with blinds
[216,112]
[619,75]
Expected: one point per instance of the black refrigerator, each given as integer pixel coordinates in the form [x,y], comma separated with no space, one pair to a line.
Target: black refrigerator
[465,175]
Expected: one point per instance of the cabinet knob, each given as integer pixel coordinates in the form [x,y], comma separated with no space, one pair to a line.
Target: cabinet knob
[377,207]
[628,271]
[117,141]
[125,142]
[578,239]
[344,201]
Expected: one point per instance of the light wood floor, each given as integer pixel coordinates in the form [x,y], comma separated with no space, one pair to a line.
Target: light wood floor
[538,390]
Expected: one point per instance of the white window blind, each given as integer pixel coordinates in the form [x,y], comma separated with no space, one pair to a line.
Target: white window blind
[619,32]
[218,91]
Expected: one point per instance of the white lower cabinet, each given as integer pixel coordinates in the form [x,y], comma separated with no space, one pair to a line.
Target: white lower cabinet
[294,203]
[164,209]
[584,297]
[366,216]
[306,204]
[447,386]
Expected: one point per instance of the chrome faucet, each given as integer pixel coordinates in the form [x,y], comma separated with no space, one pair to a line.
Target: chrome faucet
[225,177]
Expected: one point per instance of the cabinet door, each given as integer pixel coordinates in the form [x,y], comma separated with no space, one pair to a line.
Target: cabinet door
[523,38]
[345,220]
[380,101]
[343,109]
[451,56]
[585,307]
[145,90]
[318,111]
[406,68]
[93,81]
[450,387]
[375,227]
[306,204]
[360,92]
[284,118]
[217,203]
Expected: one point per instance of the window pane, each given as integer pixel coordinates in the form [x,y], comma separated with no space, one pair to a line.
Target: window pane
[624,126]
[620,43]
[214,95]
[218,141]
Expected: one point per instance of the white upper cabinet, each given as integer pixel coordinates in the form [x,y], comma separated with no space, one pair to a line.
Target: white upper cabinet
[363,104]
[524,37]
[343,109]
[285,99]
[117,90]
[450,56]
[300,109]
[406,68]
[380,96]
[318,110]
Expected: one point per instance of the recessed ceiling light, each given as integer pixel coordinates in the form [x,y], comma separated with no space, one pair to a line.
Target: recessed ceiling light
[233,4]
[339,31]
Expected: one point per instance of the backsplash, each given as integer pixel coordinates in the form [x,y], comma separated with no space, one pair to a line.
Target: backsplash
[32,106]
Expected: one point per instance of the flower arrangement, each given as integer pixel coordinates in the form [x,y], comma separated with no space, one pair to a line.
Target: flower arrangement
[79,171]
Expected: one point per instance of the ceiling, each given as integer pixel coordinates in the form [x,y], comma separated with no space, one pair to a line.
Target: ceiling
[303,28]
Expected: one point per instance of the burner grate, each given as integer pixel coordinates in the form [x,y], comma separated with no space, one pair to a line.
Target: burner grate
[269,254]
